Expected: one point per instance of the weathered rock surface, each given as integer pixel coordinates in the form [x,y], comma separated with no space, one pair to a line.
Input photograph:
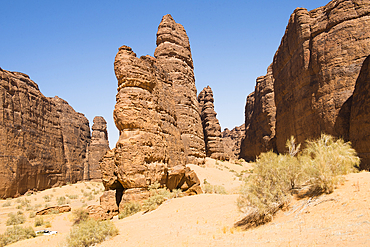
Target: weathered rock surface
[99,145]
[43,141]
[156,113]
[316,68]
[359,132]
[260,119]
[314,73]
[211,125]
[54,210]
[174,56]
[232,140]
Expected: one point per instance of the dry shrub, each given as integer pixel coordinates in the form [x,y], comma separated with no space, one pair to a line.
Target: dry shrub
[213,189]
[129,209]
[80,215]
[327,160]
[90,232]
[15,234]
[15,219]
[321,165]
[39,221]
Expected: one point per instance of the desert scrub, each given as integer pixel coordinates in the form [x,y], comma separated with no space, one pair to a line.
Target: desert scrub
[7,204]
[129,209]
[157,197]
[80,215]
[15,219]
[213,189]
[90,232]
[72,197]
[61,200]
[327,160]
[39,221]
[47,198]
[320,165]
[15,234]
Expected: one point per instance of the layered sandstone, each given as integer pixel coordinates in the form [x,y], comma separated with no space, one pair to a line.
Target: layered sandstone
[359,132]
[43,141]
[232,140]
[316,68]
[99,145]
[260,119]
[211,125]
[174,56]
[313,74]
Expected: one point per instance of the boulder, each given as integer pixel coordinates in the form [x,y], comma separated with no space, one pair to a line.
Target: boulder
[54,210]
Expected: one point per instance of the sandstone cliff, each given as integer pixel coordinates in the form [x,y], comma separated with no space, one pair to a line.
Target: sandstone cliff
[174,56]
[260,119]
[232,140]
[211,126]
[43,141]
[99,145]
[314,73]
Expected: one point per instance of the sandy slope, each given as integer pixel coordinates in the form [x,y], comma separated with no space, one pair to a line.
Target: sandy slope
[339,219]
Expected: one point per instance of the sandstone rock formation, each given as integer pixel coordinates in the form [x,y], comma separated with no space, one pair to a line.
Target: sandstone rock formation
[314,73]
[260,119]
[316,67]
[211,126]
[54,210]
[174,56]
[232,140]
[43,141]
[99,145]
[359,131]
[158,118]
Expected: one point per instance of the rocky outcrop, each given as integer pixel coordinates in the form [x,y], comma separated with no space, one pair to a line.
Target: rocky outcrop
[211,126]
[232,140]
[99,145]
[54,210]
[260,119]
[316,67]
[156,113]
[314,73]
[174,56]
[43,141]
[359,132]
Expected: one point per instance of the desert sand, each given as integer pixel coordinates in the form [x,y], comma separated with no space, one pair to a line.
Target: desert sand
[338,219]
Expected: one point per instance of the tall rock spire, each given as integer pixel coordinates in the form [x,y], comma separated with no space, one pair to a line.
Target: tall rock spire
[174,56]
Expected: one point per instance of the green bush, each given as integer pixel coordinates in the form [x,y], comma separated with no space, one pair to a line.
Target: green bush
[15,234]
[321,165]
[15,219]
[129,208]
[327,160]
[90,232]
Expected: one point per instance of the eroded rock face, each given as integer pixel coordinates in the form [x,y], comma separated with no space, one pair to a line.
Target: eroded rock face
[99,145]
[43,141]
[145,115]
[156,113]
[174,56]
[211,125]
[260,119]
[359,132]
[232,140]
[316,67]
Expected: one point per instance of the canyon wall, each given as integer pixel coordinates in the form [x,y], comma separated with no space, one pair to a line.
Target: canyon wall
[314,71]
[43,141]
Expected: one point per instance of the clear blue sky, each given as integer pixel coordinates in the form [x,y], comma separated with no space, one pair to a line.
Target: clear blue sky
[68,47]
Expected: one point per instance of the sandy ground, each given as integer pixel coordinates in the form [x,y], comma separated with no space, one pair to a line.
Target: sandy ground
[339,219]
